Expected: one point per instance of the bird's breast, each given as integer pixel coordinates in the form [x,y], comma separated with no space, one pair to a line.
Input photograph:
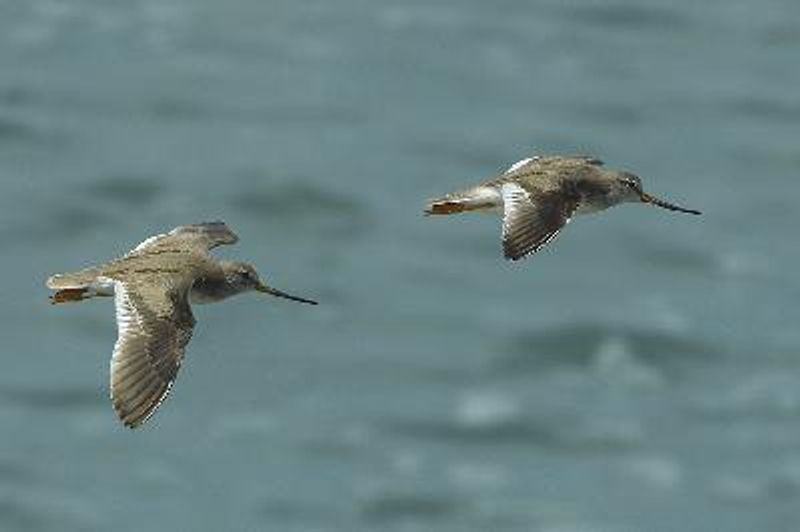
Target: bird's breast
[207,291]
[589,207]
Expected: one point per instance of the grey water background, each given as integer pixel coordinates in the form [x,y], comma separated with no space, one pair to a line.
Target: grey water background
[640,374]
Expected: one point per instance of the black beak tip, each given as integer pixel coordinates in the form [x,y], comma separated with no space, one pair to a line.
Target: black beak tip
[688,211]
[647,198]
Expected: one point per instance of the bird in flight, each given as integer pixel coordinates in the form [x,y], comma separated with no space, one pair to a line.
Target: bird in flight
[539,195]
[153,286]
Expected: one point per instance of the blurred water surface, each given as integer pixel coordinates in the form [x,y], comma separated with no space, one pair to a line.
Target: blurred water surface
[642,373]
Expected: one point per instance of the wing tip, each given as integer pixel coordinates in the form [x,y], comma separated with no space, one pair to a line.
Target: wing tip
[217,230]
[516,255]
[126,418]
[146,403]
[138,416]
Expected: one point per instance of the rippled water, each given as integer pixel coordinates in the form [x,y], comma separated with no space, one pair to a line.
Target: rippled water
[640,374]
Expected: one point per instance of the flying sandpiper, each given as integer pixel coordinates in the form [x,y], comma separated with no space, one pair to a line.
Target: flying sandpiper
[539,195]
[153,286]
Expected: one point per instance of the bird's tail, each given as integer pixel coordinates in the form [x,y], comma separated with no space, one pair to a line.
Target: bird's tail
[474,199]
[80,279]
[75,286]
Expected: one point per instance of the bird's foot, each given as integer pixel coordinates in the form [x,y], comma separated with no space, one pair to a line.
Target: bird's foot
[69,295]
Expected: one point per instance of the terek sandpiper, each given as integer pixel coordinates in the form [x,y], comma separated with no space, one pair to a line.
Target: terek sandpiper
[153,286]
[539,195]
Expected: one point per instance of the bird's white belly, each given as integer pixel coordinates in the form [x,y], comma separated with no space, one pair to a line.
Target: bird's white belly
[489,198]
[586,208]
[102,286]
[199,297]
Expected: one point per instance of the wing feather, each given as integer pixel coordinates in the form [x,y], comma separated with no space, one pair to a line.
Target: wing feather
[532,219]
[203,236]
[154,323]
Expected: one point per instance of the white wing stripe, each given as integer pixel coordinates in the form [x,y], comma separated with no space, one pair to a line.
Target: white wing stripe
[519,164]
[146,242]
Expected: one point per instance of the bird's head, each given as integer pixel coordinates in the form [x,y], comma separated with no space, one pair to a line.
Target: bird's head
[627,187]
[243,277]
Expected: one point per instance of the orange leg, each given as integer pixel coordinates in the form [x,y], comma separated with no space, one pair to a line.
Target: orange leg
[451,207]
[69,295]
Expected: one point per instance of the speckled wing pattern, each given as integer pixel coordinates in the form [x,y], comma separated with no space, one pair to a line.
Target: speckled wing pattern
[532,218]
[538,162]
[154,323]
[203,237]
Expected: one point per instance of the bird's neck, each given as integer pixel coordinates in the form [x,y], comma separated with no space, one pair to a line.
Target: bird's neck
[595,196]
[209,290]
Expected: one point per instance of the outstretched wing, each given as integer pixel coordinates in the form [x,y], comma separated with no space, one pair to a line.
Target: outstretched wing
[154,325]
[532,218]
[202,236]
[540,162]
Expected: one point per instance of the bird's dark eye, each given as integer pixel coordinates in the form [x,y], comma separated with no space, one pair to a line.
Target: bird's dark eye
[631,183]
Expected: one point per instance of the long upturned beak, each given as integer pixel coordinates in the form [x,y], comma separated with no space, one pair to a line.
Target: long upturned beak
[647,198]
[277,293]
